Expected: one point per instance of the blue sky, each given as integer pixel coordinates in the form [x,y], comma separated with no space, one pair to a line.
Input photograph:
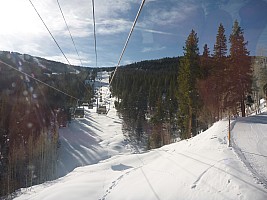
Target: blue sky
[161,30]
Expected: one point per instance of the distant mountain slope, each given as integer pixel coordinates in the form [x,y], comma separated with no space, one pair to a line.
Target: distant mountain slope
[157,64]
[47,66]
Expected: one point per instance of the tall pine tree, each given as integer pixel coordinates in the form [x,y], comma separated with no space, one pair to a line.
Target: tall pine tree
[220,47]
[205,62]
[240,71]
[188,98]
[220,55]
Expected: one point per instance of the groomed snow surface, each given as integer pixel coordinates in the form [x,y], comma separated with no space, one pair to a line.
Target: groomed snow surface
[203,167]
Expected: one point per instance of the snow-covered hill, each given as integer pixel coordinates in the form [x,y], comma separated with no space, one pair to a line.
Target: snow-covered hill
[47,66]
[203,167]
[93,138]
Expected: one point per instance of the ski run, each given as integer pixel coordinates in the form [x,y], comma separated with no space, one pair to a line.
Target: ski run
[97,162]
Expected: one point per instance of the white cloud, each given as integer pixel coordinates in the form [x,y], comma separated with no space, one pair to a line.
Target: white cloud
[153,31]
[113,26]
[167,14]
[150,49]
[18,17]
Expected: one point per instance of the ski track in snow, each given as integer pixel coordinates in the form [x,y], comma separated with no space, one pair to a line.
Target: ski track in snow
[115,183]
[250,143]
[123,176]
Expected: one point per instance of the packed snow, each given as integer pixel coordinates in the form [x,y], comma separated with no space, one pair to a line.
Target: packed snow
[250,143]
[203,167]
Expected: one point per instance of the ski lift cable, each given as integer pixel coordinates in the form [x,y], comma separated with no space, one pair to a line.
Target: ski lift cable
[127,41]
[54,39]
[69,32]
[71,39]
[30,76]
[49,32]
[93,11]
[94,30]
[95,45]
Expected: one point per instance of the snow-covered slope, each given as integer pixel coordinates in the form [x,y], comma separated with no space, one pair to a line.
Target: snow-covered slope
[203,167]
[200,168]
[93,138]
[250,143]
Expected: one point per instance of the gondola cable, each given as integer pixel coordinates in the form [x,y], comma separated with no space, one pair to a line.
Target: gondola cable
[69,32]
[93,11]
[125,45]
[127,41]
[52,35]
[94,30]
[49,32]
[72,42]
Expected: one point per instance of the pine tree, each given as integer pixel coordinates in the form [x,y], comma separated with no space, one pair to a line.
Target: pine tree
[240,72]
[206,51]
[220,55]
[188,74]
[205,62]
[205,87]
[220,47]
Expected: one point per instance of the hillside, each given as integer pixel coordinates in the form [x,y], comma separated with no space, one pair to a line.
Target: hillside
[203,167]
[144,112]
[47,66]
[33,105]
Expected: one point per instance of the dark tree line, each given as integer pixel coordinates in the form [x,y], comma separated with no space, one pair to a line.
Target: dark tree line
[230,79]
[146,99]
[159,98]
[28,134]
[213,86]
[30,116]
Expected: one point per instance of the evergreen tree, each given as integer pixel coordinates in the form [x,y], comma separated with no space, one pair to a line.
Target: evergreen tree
[219,54]
[188,74]
[205,62]
[220,47]
[205,86]
[206,51]
[240,72]
[147,102]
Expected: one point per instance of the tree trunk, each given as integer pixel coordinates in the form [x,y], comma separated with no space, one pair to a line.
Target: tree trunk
[189,131]
[243,109]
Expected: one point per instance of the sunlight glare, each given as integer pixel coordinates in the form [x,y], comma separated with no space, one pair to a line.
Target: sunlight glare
[18,16]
